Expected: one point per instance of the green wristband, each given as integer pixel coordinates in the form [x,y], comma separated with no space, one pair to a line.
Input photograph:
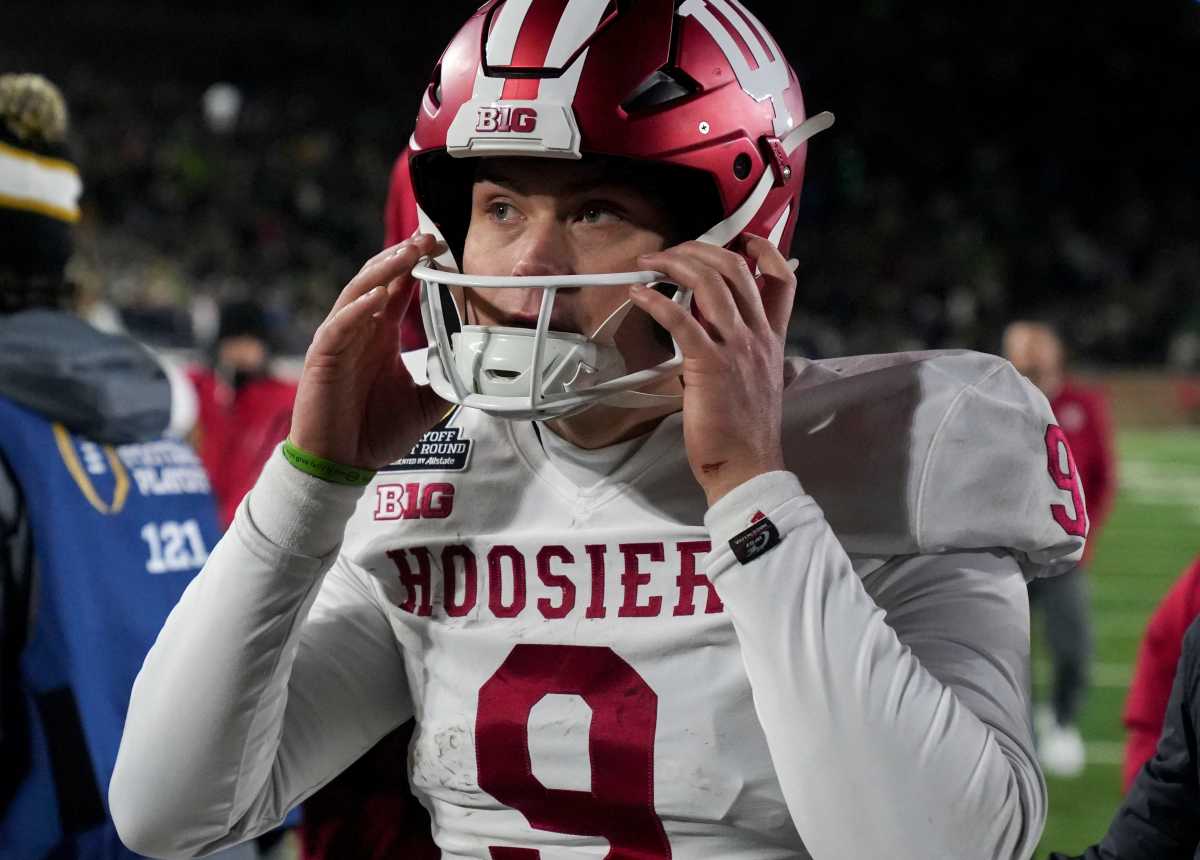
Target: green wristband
[326,470]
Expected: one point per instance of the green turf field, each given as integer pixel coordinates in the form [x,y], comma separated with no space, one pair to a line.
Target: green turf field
[1153,533]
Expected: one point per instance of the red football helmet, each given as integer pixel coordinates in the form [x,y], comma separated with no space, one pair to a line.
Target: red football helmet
[700,90]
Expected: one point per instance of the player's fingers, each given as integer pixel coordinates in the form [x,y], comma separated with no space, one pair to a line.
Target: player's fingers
[349,324]
[676,319]
[401,293]
[389,251]
[392,250]
[778,282]
[739,278]
[709,289]
[367,277]
[387,266]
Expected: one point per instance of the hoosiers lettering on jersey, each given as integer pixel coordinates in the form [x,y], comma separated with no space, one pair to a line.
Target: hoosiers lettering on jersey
[553,581]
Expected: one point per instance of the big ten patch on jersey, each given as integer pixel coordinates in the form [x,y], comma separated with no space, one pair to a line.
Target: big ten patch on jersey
[413,500]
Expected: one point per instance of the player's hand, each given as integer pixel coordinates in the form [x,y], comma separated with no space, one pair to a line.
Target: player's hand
[733,361]
[357,404]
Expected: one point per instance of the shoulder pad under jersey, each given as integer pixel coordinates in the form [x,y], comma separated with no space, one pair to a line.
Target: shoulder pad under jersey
[930,452]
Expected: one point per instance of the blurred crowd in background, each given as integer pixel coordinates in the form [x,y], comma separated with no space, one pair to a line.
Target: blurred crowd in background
[235,198]
[987,164]
[197,198]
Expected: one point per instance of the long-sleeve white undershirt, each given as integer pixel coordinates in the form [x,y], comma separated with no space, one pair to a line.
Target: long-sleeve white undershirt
[278,669]
[918,731]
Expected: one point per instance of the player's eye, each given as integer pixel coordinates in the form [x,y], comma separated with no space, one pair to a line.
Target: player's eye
[598,213]
[501,211]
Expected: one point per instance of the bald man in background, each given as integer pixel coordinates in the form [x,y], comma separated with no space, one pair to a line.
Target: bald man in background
[1037,352]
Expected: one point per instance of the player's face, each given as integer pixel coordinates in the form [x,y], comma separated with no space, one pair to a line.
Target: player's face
[1036,354]
[244,353]
[540,217]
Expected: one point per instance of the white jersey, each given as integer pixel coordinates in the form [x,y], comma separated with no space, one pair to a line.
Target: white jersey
[595,671]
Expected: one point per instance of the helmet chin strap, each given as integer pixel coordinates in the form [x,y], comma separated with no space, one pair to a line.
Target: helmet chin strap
[627,399]
[604,338]
[639,399]
[606,331]
[601,337]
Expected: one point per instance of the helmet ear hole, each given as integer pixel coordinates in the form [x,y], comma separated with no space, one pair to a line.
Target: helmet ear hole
[435,86]
[742,166]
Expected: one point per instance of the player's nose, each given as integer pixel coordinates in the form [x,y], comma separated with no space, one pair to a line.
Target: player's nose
[543,250]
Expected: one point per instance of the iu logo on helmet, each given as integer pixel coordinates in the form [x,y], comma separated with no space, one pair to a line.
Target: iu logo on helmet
[752,52]
[519,119]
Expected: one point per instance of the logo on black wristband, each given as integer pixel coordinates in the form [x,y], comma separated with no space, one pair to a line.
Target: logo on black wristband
[755,541]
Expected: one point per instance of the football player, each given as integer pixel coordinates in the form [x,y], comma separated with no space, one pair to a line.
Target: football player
[648,589]
[1037,351]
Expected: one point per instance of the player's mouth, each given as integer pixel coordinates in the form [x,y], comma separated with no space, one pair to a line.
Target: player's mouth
[558,322]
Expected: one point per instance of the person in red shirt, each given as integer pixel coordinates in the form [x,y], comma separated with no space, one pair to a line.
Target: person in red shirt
[1158,657]
[244,411]
[1037,352]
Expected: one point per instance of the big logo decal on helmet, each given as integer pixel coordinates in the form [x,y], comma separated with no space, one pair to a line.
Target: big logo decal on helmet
[500,118]
[755,57]
[541,121]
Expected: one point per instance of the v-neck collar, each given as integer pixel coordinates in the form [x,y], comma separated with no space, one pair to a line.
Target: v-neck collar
[524,436]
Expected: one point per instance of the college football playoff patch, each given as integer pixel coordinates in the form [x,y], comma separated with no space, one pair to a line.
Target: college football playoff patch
[442,449]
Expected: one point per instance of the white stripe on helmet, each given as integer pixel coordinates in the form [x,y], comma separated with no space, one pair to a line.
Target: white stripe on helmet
[578,22]
[552,130]
[500,45]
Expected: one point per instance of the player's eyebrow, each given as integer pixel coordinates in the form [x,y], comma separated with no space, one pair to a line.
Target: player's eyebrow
[599,178]
[495,177]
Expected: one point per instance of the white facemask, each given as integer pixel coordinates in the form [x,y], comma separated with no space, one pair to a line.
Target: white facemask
[536,373]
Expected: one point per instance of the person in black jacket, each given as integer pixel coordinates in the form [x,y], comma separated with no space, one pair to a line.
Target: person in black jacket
[1160,816]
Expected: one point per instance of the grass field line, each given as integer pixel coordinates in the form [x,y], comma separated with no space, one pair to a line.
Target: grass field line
[1157,482]
[1113,676]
